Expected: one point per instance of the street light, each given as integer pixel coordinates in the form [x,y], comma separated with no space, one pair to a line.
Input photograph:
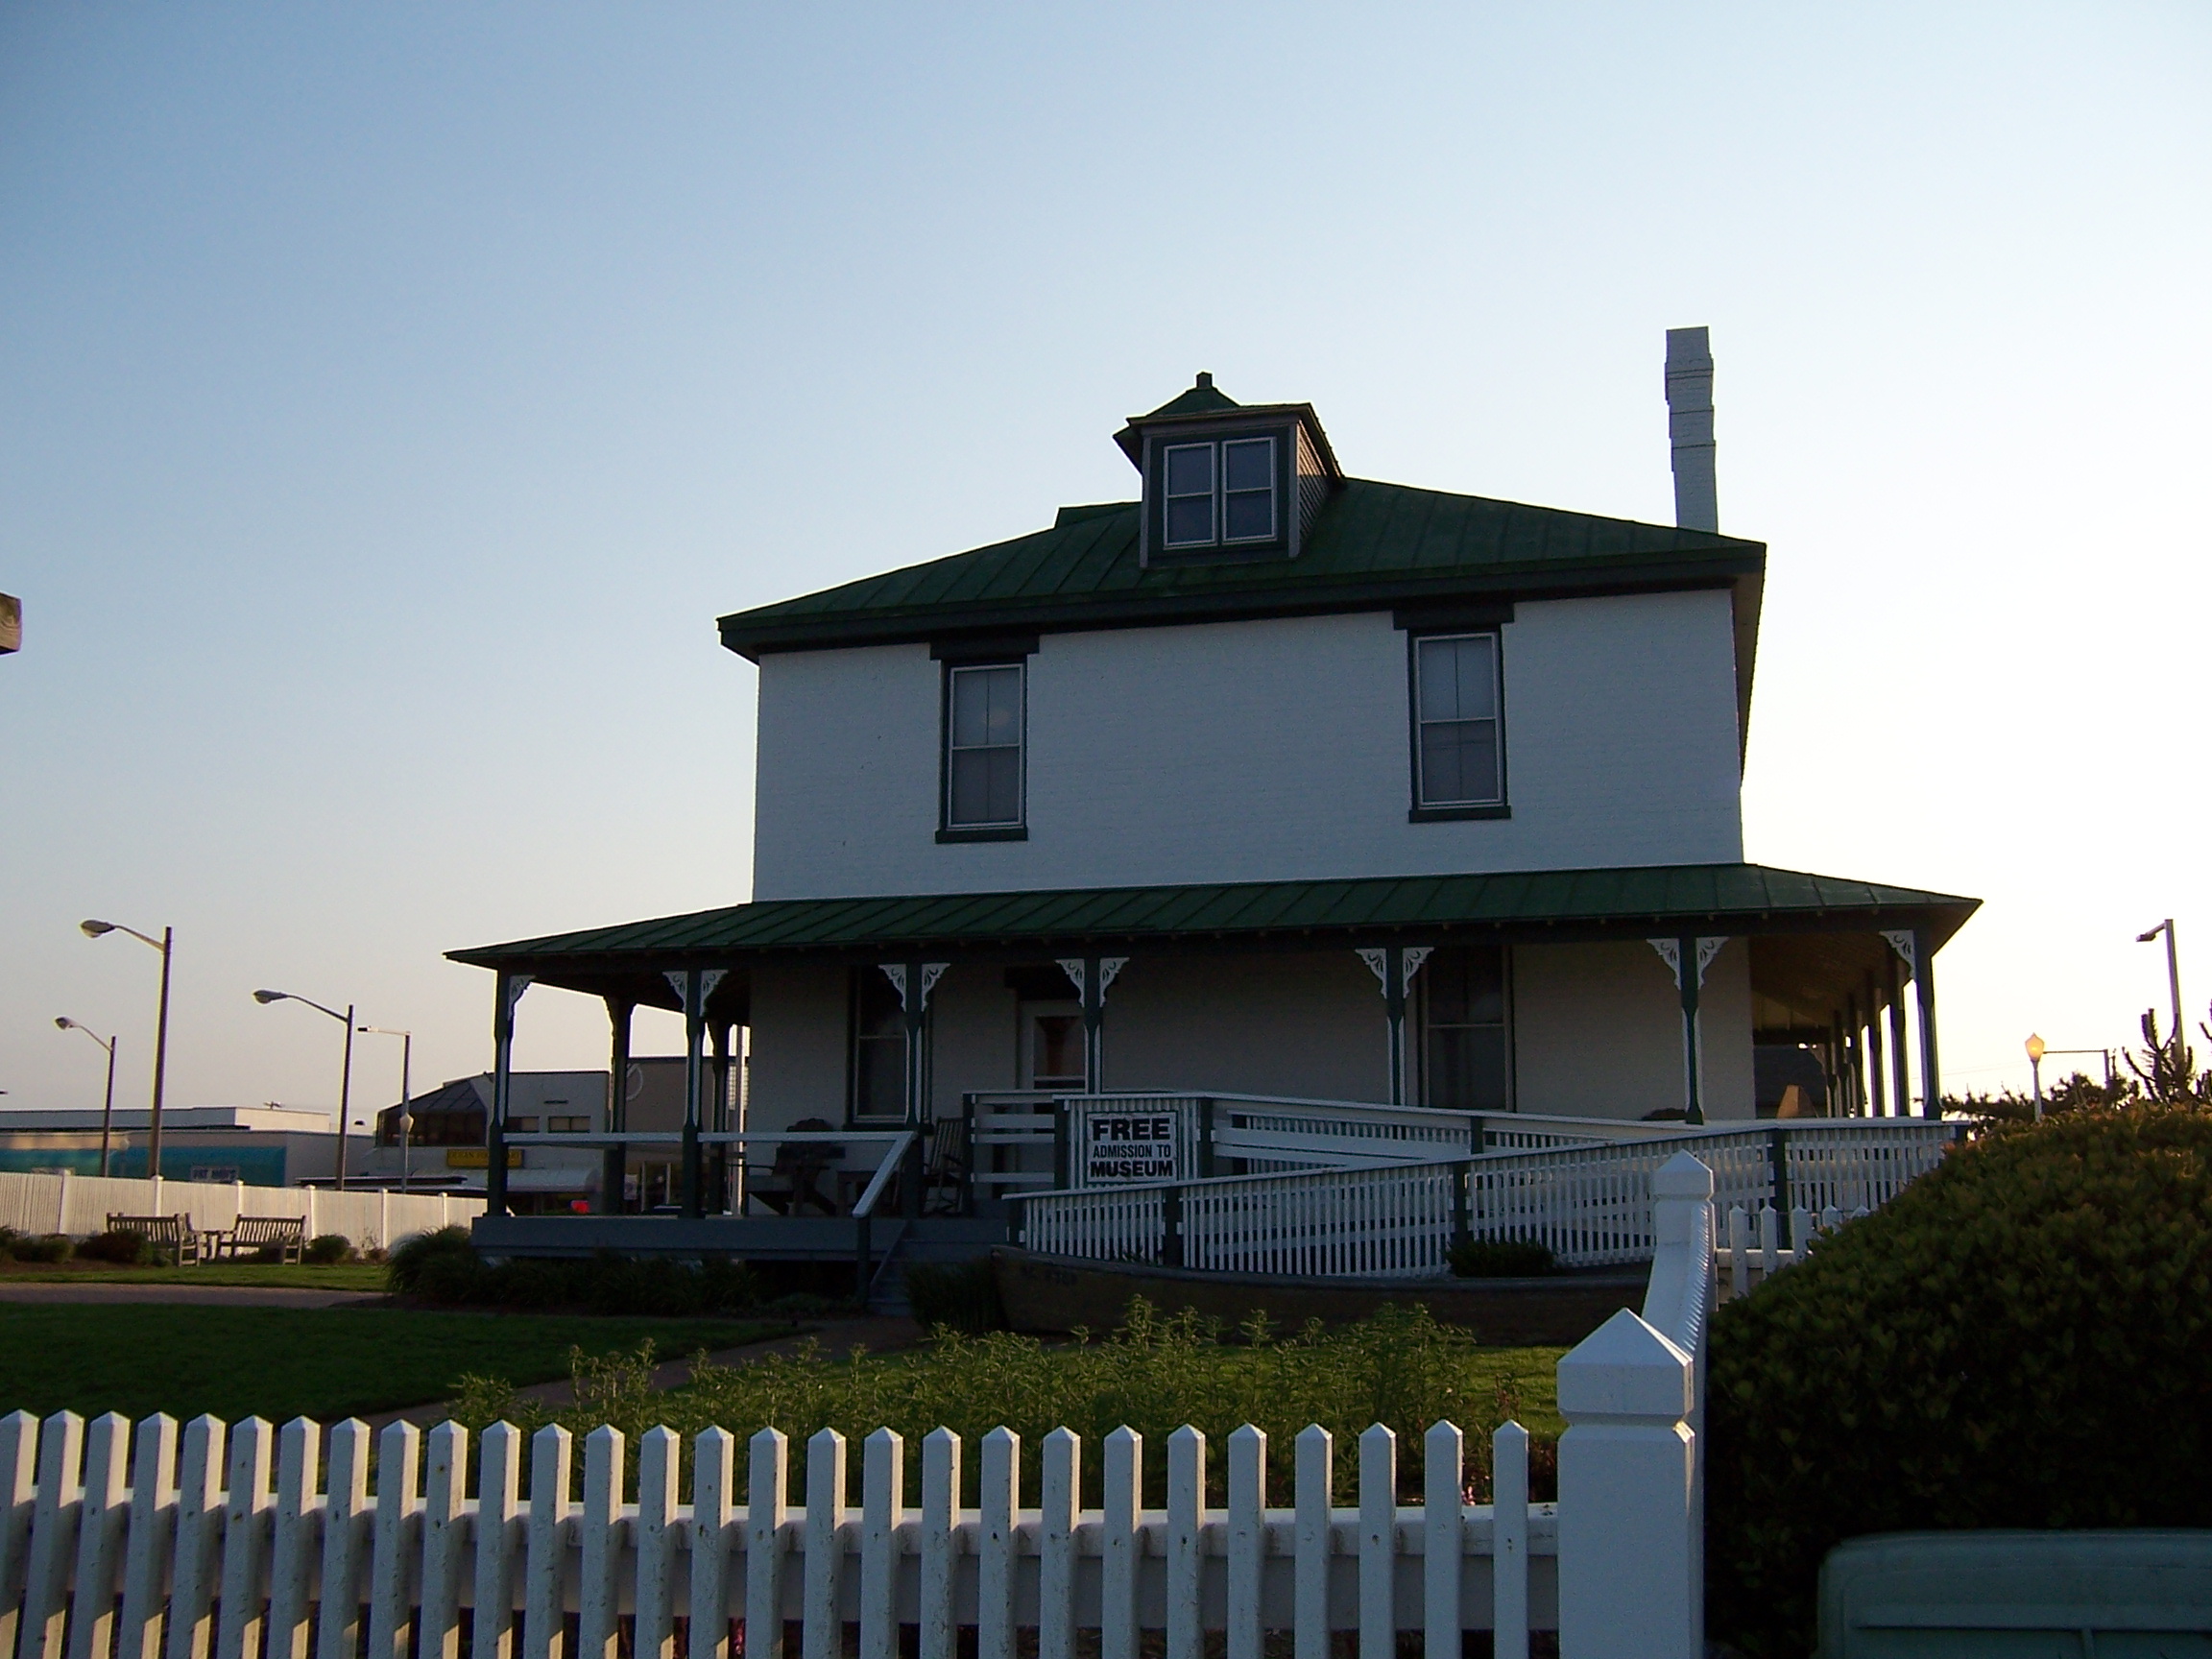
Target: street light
[2172,975]
[2035,1054]
[164,945]
[406,1094]
[346,1078]
[64,1023]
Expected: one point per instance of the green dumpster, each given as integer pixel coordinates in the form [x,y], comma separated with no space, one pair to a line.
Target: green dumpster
[2087,1594]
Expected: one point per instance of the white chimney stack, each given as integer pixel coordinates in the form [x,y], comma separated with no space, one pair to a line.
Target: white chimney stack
[1690,428]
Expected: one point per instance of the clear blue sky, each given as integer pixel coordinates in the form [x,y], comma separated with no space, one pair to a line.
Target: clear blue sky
[391,396]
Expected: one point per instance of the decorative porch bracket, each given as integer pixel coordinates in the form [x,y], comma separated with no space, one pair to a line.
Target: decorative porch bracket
[694,985]
[508,992]
[1687,958]
[1395,966]
[1092,975]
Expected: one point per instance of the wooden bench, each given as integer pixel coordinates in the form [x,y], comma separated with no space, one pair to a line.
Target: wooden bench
[173,1234]
[286,1234]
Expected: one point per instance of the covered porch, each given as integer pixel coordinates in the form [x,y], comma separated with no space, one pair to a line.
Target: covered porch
[874,1025]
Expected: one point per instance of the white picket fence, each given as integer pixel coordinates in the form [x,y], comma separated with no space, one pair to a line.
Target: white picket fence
[256,1541]
[80,1205]
[1756,1249]
[1590,1203]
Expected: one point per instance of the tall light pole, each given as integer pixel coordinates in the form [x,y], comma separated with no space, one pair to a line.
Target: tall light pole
[346,1078]
[2036,1052]
[165,945]
[2172,977]
[108,1106]
[406,1092]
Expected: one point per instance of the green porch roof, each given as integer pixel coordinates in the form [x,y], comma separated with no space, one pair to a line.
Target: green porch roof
[1375,545]
[1563,904]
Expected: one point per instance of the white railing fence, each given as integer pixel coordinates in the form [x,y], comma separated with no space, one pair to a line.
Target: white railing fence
[1590,1203]
[1756,1249]
[80,1205]
[250,1541]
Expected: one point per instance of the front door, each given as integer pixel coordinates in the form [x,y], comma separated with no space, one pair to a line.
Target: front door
[1052,1047]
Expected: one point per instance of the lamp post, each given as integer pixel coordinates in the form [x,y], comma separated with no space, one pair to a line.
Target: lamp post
[406,1092]
[2035,1054]
[107,1105]
[165,945]
[2172,975]
[346,1078]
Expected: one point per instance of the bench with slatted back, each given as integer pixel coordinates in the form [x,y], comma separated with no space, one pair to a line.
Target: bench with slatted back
[170,1233]
[286,1234]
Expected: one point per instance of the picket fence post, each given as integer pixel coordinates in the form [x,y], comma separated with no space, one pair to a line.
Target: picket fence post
[768,1470]
[100,1523]
[713,1522]
[146,1560]
[1312,1540]
[824,1634]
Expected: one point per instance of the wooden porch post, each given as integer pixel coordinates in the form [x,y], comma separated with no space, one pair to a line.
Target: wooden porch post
[614,1162]
[1093,974]
[719,1161]
[505,995]
[694,1030]
[1395,966]
[1688,957]
[915,982]
[1877,1099]
[1900,1078]
[1924,978]
[694,985]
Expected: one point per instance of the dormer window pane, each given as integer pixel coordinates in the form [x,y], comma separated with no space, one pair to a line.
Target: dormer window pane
[983,747]
[1248,489]
[1190,478]
[1458,721]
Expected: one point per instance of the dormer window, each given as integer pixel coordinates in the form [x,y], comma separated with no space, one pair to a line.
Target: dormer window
[1228,481]
[1219,493]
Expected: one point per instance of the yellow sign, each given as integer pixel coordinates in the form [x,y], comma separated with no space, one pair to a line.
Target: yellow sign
[477,1158]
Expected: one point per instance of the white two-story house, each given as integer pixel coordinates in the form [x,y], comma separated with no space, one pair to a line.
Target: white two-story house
[1274,780]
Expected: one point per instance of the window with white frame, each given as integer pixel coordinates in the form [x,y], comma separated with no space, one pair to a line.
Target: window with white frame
[983,747]
[1458,756]
[1218,494]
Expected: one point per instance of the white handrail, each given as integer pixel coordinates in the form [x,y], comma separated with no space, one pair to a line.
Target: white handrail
[866,1207]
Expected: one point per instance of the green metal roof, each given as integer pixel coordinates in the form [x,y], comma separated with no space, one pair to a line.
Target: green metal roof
[1731,898]
[1375,545]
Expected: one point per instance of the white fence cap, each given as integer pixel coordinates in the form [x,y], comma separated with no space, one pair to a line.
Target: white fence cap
[1625,1368]
[1682,1176]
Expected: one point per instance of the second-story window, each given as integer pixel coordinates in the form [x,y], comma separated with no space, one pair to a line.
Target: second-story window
[1457,754]
[1218,494]
[983,747]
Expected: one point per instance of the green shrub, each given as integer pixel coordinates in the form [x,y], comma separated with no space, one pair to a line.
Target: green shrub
[1499,1257]
[325,1248]
[47,1247]
[2023,1339]
[445,1269]
[955,1296]
[121,1245]
[1400,1367]
[422,1252]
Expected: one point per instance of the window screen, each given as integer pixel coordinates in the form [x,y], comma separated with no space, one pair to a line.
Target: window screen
[1248,489]
[1458,721]
[983,747]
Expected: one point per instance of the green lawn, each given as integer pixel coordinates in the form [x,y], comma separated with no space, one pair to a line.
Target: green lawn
[283,1362]
[365,1277]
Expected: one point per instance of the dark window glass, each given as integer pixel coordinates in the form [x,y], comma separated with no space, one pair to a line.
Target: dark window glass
[878,1048]
[983,747]
[1458,721]
[1248,489]
[1464,998]
[1190,494]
